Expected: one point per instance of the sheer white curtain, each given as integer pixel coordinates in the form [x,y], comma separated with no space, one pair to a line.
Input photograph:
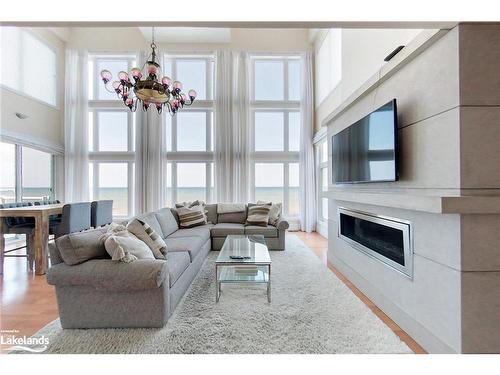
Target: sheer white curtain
[150,162]
[76,163]
[307,178]
[223,132]
[232,163]
[241,127]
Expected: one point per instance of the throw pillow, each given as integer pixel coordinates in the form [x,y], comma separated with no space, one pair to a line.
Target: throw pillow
[191,205]
[191,217]
[146,234]
[123,246]
[258,215]
[274,213]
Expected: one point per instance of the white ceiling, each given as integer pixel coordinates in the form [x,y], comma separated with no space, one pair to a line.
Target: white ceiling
[188,34]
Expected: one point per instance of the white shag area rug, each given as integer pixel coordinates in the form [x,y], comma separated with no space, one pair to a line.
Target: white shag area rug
[311,311]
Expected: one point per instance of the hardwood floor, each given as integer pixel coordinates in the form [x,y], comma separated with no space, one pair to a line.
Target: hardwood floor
[28,303]
[319,245]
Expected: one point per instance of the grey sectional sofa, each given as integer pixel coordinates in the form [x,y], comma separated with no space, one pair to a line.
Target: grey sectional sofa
[95,292]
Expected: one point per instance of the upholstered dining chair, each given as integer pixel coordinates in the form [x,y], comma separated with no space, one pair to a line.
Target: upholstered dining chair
[19,225]
[101,213]
[75,218]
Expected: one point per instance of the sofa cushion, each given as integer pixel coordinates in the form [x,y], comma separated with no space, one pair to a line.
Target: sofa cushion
[225,229]
[152,221]
[177,263]
[147,235]
[104,274]
[79,247]
[167,221]
[202,231]
[269,231]
[233,217]
[211,213]
[192,245]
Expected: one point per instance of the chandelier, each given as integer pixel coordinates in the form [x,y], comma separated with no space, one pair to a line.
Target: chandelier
[150,91]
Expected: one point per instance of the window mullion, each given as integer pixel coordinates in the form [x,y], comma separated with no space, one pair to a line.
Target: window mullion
[286,130]
[96,180]
[207,182]
[174,182]
[130,188]
[208,132]
[286,183]
[19,172]
[285,79]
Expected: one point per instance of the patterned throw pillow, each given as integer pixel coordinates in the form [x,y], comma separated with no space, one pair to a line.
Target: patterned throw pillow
[192,216]
[274,213]
[258,215]
[146,234]
[193,204]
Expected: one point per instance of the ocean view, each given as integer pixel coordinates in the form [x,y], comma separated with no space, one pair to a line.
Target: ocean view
[186,194]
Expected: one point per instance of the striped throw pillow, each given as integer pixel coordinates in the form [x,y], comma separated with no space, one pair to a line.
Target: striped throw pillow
[192,216]
[147,235]
[258,215]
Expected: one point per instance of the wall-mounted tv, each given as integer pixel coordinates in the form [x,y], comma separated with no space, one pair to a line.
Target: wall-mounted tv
[367,150]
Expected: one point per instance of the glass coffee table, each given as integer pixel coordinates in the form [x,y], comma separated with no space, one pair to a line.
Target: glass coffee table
[254,266]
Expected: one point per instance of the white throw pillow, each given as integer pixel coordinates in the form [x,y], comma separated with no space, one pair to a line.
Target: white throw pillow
[123,246]
[274,212]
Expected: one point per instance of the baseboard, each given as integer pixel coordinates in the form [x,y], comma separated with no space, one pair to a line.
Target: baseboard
[424,337]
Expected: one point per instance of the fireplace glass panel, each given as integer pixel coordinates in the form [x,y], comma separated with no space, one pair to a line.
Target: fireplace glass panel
[384,240]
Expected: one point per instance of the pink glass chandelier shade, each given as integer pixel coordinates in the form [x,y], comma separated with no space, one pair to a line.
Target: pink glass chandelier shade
[135,91]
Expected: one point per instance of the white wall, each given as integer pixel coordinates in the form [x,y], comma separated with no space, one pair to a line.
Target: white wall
[131,38]
[45,121]
[353,54]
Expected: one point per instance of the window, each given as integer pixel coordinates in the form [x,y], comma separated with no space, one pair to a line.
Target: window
[190,133]
[269,81]
[276,130]
[189,181]
[36,174]
[269,182]
[195,72]
[328,65]
[26,174]
[111,138]
[321,155]
[112,183]
[8,175]
[113,63]
[269,131]
[19,72]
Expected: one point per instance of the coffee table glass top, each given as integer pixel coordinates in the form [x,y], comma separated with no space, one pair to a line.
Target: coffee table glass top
[253,247]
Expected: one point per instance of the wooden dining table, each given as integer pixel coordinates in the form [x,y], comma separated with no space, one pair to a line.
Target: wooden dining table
[41,214]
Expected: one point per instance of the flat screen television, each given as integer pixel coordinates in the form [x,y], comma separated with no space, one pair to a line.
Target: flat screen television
[367,150]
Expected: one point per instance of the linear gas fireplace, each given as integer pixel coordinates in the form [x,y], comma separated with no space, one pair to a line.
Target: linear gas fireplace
[383,238]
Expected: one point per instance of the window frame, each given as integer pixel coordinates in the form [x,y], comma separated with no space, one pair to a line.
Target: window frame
[95,106]
[285,106]
[46,43]
[320,166]
[173,157]
[18,167]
